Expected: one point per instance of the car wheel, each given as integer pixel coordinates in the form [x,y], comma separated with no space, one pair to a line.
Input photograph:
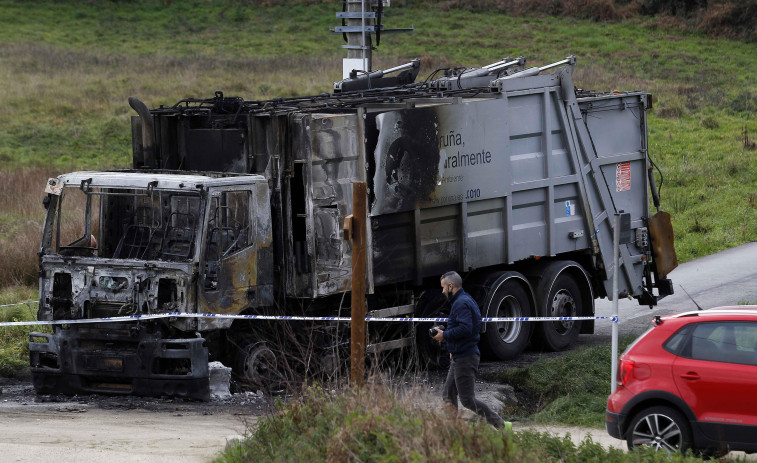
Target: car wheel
[661,428]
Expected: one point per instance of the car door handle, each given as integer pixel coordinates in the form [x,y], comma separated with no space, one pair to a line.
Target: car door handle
[692,375]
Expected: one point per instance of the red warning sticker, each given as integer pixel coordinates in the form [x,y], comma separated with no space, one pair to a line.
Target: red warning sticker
[623,176]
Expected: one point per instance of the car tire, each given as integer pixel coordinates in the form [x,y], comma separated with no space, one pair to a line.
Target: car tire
[660,427]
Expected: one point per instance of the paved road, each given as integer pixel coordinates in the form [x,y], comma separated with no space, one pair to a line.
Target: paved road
[69,432]
[726,278]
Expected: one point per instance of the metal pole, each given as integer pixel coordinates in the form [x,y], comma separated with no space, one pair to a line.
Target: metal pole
[361,41]
[615,252]
[362,23]
[357,338]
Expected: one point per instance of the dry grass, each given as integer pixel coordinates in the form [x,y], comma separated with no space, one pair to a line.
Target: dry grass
[93,82]
[598,10]
[21,220]
[724,18]
[70,107]
[96,83]
[22,217]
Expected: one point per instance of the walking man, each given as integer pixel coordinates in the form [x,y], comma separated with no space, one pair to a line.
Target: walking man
[462,336]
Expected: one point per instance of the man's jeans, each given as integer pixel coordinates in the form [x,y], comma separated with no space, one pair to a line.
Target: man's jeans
[460,382]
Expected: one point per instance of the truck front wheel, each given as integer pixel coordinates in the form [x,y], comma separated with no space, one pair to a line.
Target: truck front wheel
[507,298]
[257,367]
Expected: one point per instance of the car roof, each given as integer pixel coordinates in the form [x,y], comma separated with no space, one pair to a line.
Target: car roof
[724,312]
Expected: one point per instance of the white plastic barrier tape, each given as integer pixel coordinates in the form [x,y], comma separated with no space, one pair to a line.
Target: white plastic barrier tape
[18,303]
[289,317]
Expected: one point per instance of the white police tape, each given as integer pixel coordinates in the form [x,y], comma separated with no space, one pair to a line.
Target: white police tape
[175,315]
[18,303]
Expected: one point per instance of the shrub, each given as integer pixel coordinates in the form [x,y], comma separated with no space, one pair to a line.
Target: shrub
[734,19]
[21,221]
[710,122]
[376,424]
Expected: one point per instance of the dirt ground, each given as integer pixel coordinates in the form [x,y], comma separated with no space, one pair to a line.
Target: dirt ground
[60,429]
[96,428]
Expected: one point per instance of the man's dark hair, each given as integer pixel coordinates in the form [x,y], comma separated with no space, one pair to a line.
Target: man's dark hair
[453,278]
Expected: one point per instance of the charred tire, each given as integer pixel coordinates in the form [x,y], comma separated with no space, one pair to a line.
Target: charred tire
[431,304]
[507,297]
[257,367]
[563,300]
[661,428]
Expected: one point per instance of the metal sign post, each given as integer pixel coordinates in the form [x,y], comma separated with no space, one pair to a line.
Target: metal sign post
[355,230]
[361,20]
[615,252]
[360,42]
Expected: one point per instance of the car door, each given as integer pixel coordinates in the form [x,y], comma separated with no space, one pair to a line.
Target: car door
[716,374]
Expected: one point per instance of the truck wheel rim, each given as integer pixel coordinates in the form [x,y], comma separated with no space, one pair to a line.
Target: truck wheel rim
[259,365]
[563,305]
[657,431]
[509,331]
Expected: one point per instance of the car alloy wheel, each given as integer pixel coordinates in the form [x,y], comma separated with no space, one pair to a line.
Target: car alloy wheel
[661,428]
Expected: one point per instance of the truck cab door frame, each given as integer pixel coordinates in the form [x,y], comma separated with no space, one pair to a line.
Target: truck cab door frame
[228,261]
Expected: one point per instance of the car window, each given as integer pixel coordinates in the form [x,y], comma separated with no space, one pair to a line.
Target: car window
[677,344]
[637,340]
[730,342]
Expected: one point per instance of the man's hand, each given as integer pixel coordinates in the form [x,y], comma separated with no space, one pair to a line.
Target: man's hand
[439,335]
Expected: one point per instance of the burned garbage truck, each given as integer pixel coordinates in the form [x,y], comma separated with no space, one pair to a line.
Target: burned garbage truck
[508,174]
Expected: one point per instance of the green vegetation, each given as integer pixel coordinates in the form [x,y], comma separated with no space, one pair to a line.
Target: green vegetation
[570,389]
[14,341]
[379,425]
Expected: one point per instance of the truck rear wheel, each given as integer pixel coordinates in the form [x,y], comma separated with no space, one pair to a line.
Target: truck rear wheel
[507,297]
[563,300]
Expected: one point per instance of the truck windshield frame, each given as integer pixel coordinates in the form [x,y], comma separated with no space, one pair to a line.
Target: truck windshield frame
[126,223]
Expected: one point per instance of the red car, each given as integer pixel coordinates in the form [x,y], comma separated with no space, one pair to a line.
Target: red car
[690,382]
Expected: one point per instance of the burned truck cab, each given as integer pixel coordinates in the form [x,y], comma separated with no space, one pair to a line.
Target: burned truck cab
[128,244]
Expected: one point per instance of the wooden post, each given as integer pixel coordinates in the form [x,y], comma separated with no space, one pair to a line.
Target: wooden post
[356,224]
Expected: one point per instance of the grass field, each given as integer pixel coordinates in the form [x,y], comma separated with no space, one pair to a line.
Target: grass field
[571,389]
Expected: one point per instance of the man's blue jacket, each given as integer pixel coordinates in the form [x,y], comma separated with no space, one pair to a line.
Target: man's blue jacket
[463,326]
